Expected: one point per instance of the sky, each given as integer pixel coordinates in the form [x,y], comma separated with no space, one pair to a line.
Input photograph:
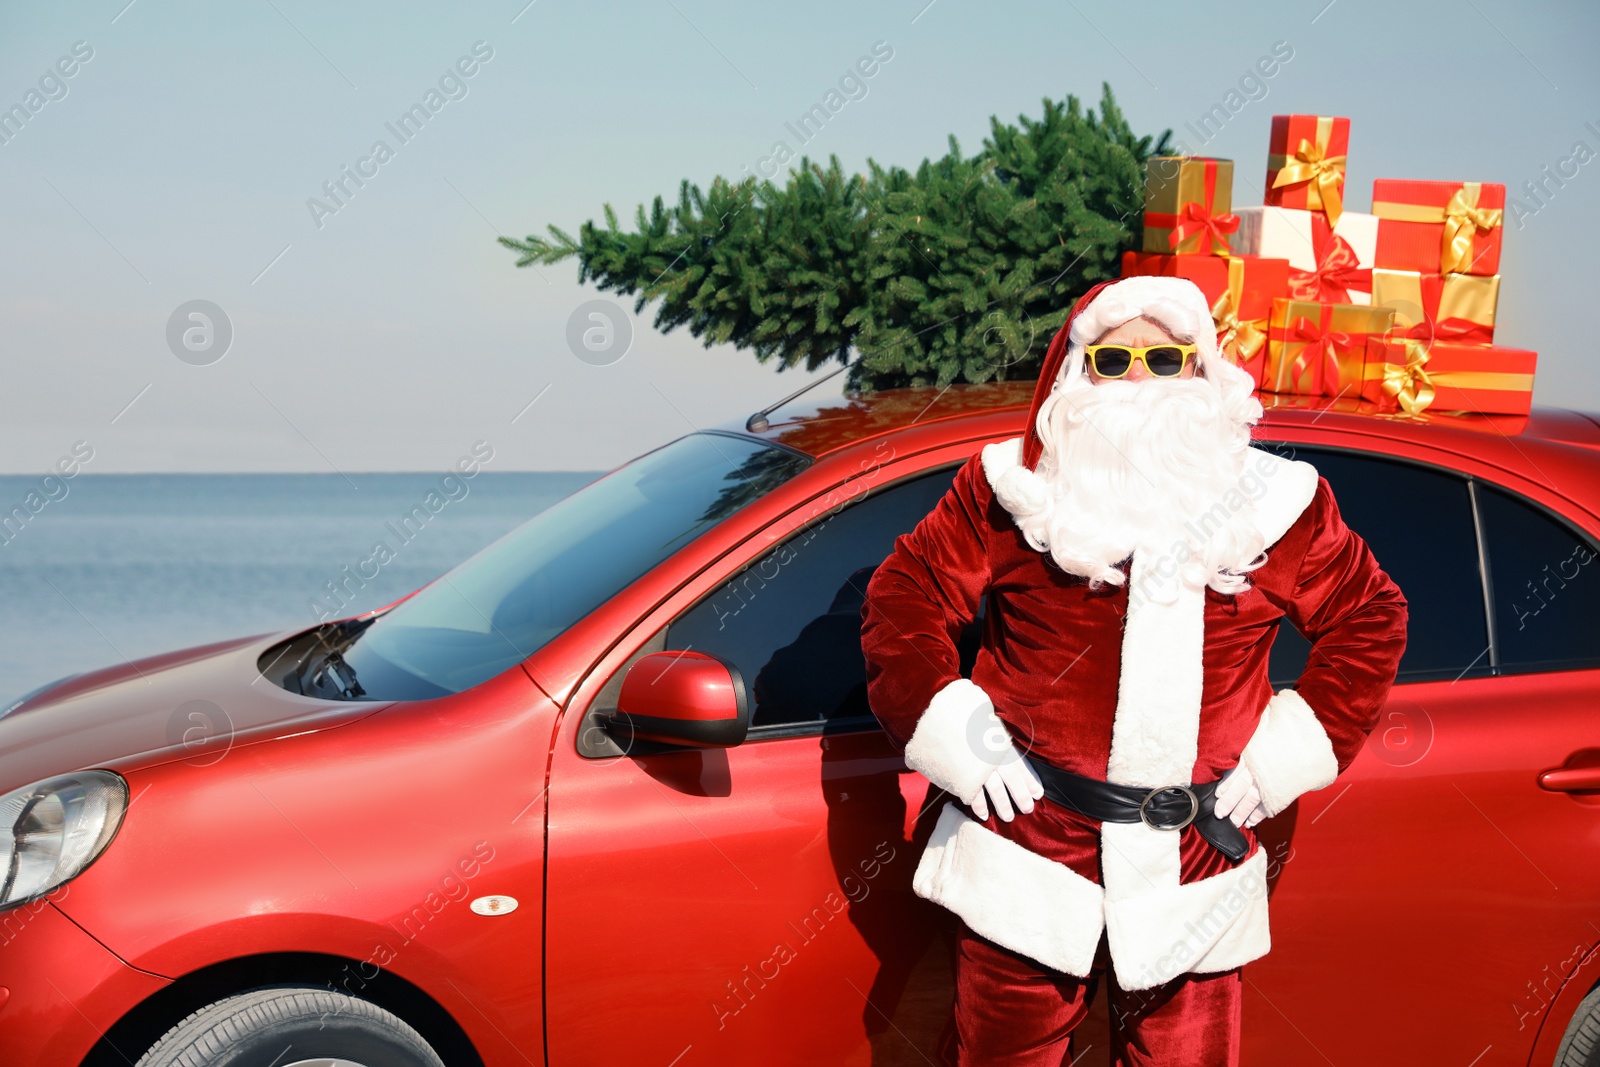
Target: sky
[184,159]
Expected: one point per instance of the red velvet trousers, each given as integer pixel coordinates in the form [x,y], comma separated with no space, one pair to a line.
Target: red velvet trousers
[1011,1011]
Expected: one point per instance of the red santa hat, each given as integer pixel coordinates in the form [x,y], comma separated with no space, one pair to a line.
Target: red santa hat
[1176,303]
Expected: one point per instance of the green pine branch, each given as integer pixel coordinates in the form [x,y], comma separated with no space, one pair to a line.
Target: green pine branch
[960,272]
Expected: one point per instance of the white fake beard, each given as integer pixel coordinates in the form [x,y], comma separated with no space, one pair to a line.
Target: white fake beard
[1153,466]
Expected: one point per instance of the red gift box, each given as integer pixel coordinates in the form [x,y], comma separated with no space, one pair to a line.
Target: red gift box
[1240,290]
[1413,376]
[1497,425]
[1263,278]
[1439,227]
[1305,163]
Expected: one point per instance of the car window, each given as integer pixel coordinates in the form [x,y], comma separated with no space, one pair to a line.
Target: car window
[1418,522]
[1546,593]
[509,600]
[791,620]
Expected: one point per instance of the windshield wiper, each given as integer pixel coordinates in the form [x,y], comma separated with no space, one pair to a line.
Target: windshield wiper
[340,674]
[313,663]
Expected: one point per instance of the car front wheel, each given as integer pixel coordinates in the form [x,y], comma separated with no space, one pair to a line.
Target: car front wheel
[1580,1047]
[291,1026]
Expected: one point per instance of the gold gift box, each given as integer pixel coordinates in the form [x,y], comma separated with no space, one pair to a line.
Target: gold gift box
[1460,306]
[1327,355]
[1170,182]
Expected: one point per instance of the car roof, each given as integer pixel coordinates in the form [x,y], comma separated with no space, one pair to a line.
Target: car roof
[818,426]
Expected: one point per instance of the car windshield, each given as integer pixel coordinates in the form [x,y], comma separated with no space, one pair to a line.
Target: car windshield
[509,600]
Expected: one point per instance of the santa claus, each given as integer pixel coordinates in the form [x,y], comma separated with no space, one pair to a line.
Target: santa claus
[1118,739]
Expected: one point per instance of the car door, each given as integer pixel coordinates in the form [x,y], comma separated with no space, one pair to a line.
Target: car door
[1429,901]
[754,904]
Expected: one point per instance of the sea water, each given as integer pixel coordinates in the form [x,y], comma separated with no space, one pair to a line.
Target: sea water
[120,566]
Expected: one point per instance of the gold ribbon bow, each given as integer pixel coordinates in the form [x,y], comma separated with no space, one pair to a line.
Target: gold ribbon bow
[1240,340]
[1409,383]
[1312,164]
[1412,385]
[1462,219]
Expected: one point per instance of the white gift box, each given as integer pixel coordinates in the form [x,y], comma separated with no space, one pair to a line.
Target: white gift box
[1285,233]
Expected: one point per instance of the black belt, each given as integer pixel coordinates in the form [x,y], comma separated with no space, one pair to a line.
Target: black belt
[1165,808]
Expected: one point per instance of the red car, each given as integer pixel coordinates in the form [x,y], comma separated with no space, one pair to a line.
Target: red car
[610,792]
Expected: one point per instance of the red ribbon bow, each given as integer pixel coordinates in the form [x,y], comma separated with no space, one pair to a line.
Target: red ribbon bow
[1193,218]
[1430,329]
[1321,344]
[1338,271]
[1459,331]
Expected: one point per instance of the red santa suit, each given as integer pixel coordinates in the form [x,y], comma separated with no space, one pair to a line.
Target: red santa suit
[1150,683]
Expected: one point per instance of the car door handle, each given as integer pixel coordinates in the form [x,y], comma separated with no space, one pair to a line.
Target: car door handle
[1570,779]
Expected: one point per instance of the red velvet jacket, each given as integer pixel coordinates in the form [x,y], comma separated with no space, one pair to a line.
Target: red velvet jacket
[1050,653]
[1052,663]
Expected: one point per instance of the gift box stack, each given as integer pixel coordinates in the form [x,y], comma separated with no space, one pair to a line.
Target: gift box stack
[1189,226]
[1395,307]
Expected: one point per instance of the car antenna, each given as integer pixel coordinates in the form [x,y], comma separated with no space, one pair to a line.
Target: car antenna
[757,423]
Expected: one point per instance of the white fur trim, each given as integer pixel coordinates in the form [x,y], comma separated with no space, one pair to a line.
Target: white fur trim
[1158,927]
[953,743]
[1213,924]
[1137,859]
[1001,456]
[1183,303]
[1013,896]
[1289,753]
[1155,738]
[1048,912]
[1291,484]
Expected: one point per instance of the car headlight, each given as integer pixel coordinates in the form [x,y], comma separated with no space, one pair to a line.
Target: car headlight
[51,830]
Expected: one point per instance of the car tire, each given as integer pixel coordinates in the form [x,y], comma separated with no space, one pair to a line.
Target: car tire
[281,1026]
[1580,1045]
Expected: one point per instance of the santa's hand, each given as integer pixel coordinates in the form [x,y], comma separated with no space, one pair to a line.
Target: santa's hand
[1239,798]
[1014,781]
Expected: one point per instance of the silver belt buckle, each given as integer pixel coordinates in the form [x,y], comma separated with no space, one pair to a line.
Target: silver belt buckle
[1194,807]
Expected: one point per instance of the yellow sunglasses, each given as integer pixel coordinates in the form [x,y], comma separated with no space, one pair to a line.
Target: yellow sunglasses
[1162,361]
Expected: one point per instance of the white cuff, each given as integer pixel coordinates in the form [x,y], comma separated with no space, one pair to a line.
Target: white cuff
[954,744]
[1289,753]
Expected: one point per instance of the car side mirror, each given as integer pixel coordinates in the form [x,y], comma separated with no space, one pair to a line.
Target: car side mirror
[683,698]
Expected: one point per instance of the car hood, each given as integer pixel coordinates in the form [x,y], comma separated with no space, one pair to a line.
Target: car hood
[195,704]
